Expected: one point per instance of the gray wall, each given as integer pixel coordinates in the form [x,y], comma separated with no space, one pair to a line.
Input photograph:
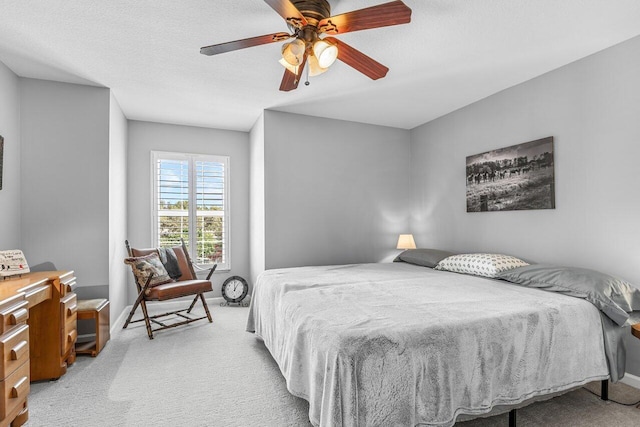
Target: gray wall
[10,130]
[336,192]
[592,109]
[65,177]
[145,137]
[256,205]
[118,271]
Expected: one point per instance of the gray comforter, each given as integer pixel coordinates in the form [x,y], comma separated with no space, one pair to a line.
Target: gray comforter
[401,345]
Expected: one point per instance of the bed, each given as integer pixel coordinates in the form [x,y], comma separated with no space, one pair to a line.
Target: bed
[399,344]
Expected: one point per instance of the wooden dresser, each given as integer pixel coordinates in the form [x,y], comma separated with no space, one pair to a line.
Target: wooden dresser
[37,336]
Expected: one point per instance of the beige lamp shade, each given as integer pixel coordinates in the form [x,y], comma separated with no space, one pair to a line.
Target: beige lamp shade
[405,241]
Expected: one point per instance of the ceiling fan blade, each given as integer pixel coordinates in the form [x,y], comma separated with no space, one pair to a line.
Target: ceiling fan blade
[383,15]
[290,80]
[289,12]
[358,60]
[244,43]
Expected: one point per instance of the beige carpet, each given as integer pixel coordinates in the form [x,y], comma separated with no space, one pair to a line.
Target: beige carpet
[219,375]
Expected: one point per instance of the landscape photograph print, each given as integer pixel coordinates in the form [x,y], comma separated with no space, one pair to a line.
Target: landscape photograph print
[519,177]
[1,158]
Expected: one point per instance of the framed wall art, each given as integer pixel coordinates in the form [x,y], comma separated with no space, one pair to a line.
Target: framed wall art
[519,177]
[1,158]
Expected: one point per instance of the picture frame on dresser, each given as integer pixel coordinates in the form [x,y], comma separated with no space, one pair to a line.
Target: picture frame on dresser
[12,263]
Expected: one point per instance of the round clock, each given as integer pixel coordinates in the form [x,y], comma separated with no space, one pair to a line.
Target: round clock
[234,289]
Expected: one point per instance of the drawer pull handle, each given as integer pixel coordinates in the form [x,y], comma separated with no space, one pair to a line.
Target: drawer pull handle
[19,350]
[71,338]
[20,387]
[70,285]
[71,310]
[18,316]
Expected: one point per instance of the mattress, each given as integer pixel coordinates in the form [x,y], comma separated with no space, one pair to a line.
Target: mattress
[395,344]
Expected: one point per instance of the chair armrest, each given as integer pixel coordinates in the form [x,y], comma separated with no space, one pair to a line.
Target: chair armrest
[212,270]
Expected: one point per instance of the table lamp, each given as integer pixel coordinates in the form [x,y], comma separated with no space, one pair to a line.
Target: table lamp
[405,241]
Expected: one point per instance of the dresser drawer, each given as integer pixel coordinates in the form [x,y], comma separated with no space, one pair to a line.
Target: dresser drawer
[68,283]
[69,337]
[13,314]
[15,389]
[69,313]
[37,293]
[14,347]
[69,306]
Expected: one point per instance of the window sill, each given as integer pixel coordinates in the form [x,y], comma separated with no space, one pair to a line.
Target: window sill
[203,274]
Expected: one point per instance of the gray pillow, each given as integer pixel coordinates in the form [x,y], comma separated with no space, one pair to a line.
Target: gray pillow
[614,297]
[424,257]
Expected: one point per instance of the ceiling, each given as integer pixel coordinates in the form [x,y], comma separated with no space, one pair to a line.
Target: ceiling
[453,53]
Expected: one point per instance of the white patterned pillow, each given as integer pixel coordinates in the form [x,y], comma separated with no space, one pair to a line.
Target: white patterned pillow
[487,265]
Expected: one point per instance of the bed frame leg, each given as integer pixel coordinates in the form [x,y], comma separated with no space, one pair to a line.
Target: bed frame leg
[604,390]
[512,418]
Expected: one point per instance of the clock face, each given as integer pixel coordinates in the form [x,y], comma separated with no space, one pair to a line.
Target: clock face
[235,289]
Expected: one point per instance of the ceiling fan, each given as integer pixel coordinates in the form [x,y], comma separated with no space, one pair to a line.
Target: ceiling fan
[308,20]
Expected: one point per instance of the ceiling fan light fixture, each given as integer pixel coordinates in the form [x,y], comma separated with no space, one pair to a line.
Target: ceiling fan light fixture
[292,68]
[293,52]
[325,52]
[314,67]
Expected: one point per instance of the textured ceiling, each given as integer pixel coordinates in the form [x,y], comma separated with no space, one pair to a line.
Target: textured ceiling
[454,52]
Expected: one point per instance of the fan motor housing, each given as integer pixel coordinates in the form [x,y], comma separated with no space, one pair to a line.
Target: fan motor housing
[314,10]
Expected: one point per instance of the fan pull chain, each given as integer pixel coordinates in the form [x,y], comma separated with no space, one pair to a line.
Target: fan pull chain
[306,83]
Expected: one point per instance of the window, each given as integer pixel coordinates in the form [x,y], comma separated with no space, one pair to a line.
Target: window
[180,182]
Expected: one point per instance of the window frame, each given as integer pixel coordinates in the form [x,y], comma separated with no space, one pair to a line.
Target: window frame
[191,158]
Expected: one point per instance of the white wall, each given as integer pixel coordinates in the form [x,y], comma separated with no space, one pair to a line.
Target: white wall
[145,137]
[591,108]
[256,205]
[336,192]
[118,271]
[10,130]
[65,177]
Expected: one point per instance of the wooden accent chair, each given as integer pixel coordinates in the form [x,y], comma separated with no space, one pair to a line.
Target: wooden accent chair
[186,285]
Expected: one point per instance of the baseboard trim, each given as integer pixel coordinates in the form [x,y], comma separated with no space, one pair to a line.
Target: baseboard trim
[631,380]
[119,323]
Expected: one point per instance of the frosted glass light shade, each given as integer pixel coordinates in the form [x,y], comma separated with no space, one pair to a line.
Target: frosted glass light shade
[325,52]
[292,68]
[314,68]
[405,241]
[293,53]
